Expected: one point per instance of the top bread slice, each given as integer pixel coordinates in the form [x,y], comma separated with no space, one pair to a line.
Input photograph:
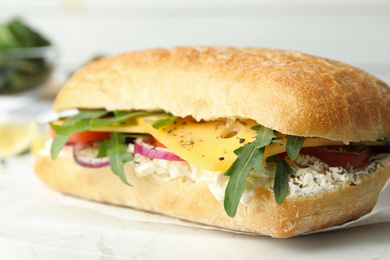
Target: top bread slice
[287,91]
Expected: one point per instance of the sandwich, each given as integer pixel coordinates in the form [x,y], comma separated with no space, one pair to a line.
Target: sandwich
[259,140]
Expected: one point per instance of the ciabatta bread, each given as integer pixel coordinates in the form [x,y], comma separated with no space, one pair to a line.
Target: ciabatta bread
[287,91]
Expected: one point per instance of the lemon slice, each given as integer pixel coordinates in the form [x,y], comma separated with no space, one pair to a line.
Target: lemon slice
[15,137]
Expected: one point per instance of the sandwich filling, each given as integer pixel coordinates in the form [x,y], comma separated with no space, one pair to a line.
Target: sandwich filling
[233,156]
[310,175]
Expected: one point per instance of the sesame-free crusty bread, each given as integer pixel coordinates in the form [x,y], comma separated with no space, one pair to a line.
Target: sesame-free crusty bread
[287,91]
[194,201]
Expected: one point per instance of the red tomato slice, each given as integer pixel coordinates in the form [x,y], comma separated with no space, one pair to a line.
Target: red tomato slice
[154,142]
[340,155]
[158,144]
[85,137]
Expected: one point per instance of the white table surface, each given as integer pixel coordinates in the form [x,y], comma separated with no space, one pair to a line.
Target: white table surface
[44,230]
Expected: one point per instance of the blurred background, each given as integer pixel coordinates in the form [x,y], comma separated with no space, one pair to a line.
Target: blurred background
[69,33]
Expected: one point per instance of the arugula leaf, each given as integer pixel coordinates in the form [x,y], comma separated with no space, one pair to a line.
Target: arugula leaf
[117,154]
[283,170]
[75,124]
[58,143]
[249,157]
[78,126]
[294,145]
[8,39]
[88,114]
[119,117]
[105,144]
[163,122]
[113,148]
[17,34]
[19,70]
[103,147]
[86,120]
[78,123]
[265,136]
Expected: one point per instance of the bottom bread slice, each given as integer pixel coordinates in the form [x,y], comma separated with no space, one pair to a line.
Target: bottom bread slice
[193,201]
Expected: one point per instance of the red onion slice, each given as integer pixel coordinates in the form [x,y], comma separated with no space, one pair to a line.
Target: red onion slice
[80,156]
[150,151]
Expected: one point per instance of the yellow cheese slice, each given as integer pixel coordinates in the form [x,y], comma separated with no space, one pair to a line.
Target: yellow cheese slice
[208,145]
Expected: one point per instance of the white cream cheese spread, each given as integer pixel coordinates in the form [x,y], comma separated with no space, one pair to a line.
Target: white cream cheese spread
[310,175]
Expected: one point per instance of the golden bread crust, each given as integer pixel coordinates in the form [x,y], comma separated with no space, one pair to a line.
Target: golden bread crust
[287,91]
[193,201]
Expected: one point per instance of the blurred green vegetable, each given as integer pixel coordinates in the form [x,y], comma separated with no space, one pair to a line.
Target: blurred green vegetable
[23,63]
